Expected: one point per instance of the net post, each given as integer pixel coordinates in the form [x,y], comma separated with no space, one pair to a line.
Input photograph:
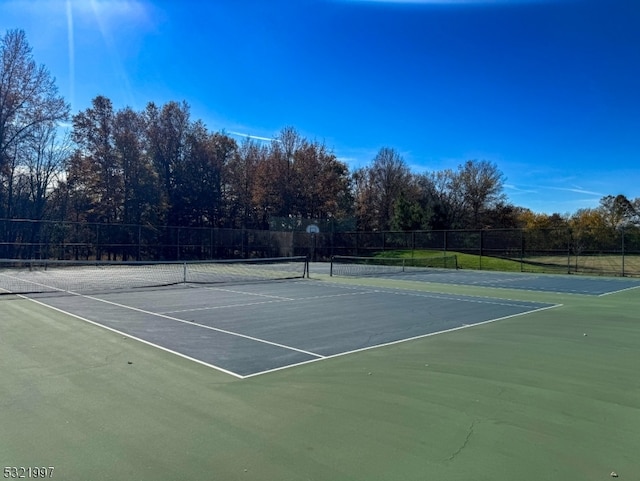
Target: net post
[184,272]
[331,267]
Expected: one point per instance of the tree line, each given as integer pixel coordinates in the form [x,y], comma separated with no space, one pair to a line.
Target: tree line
[159,166]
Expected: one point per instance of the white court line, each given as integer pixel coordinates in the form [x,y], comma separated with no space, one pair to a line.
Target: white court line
[399,341]
[249,293]
[226,306]
[330,296]
[621,290]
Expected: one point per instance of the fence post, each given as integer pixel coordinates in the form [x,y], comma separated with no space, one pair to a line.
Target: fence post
[521,250]
[444,244]
[569,252]
[98,250]
[332,239]
[481,242]
[413,243]
[622,235]
[178,244]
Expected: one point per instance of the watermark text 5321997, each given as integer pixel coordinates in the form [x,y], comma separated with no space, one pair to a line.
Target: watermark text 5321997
[27,472]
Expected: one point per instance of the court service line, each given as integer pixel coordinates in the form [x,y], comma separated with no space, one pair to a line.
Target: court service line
[226,306]
[329,296]
[276,300]
[204,326]
[249,293]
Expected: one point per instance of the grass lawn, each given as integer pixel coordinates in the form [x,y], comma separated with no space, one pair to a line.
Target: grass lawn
[591,264]
[465,261]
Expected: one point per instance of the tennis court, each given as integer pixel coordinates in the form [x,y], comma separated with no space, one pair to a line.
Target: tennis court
[252,376]
[564,284]
[251,329]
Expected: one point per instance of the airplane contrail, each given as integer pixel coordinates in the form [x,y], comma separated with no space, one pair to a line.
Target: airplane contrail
[256,137]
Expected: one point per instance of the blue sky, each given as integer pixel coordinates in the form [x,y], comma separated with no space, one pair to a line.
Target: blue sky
[549,90]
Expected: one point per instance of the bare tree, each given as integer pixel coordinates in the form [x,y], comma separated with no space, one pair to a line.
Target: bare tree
[46,155]
[444,186]
[635,220]
[617,211]
[28,99]
[480,184]
[379,187]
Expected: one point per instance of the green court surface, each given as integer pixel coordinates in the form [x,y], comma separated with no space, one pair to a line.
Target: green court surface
[553,394]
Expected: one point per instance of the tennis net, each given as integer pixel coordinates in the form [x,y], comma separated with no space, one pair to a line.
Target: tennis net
[46,276]
[371,266]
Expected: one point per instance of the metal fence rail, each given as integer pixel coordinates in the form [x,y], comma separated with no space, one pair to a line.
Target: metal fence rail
[590,251]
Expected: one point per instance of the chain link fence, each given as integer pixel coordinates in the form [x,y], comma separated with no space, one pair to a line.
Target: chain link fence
[586,251]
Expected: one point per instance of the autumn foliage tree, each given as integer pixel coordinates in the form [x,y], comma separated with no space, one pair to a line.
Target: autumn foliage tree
[301,179]
[142,201]
[96,168]
[241,184]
